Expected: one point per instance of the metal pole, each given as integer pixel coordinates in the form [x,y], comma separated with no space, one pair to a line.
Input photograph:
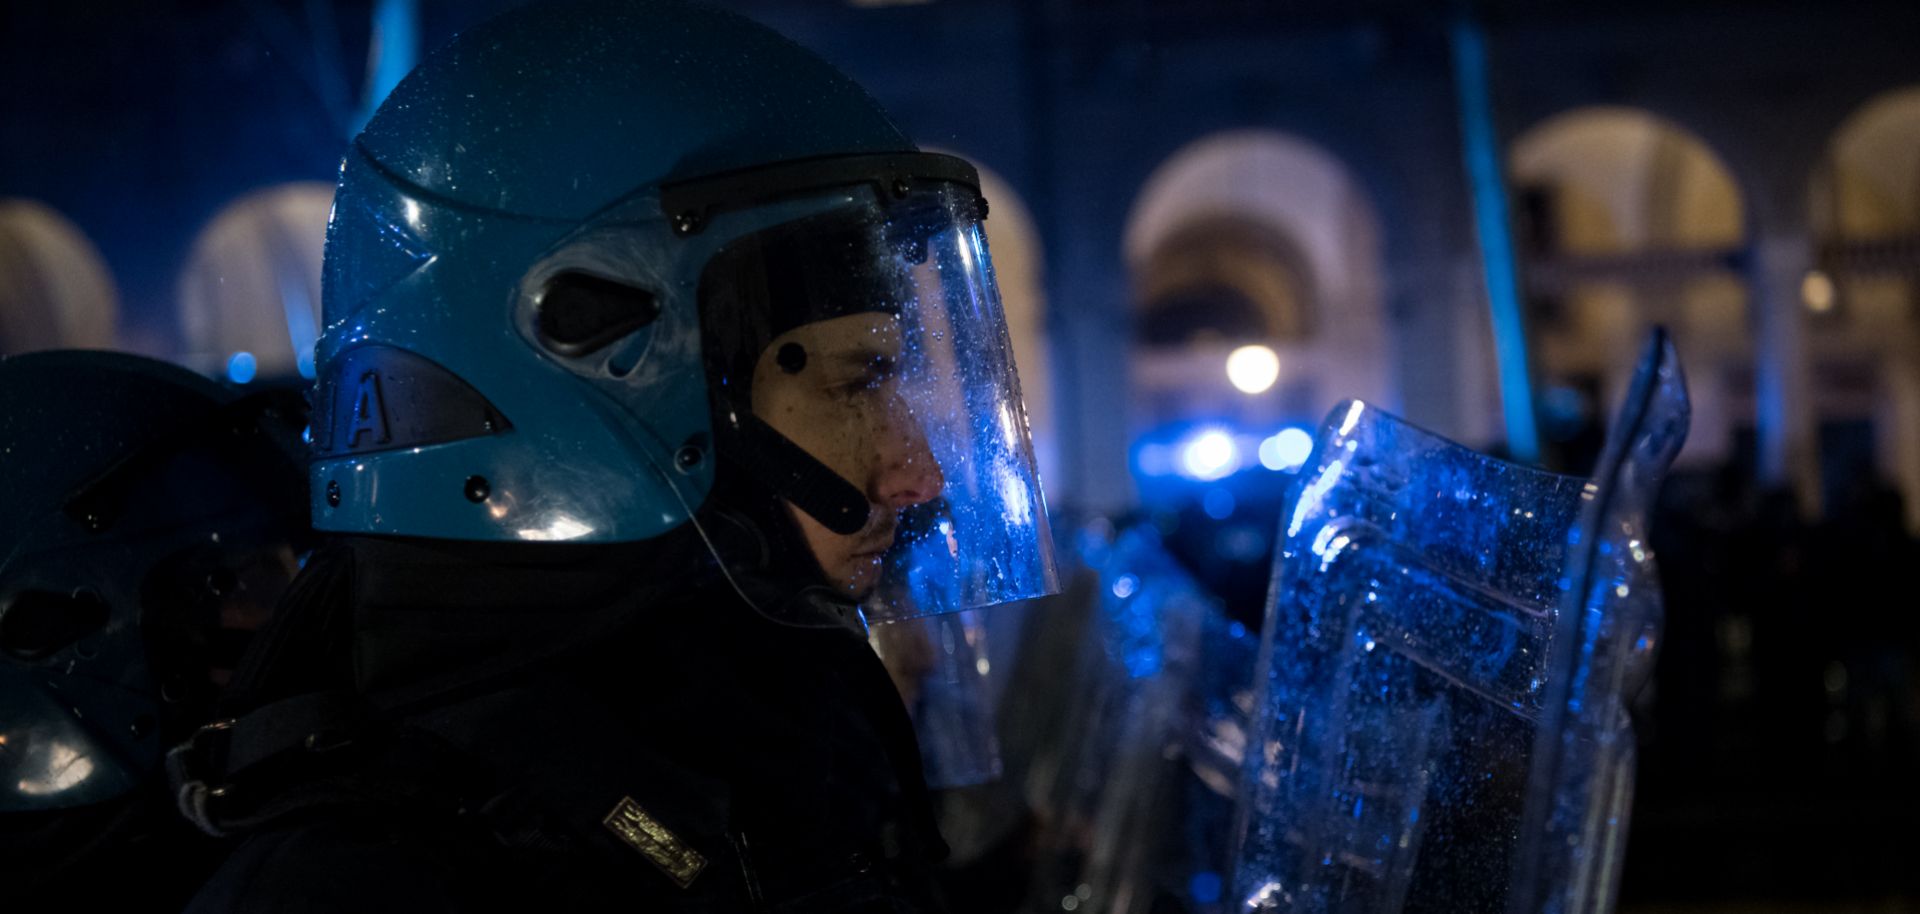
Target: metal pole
[1488,184]
[396,47]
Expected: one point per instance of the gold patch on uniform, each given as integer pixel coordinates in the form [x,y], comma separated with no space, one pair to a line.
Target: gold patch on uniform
[654,842]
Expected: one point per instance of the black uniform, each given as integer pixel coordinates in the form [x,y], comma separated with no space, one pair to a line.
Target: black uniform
[770,761]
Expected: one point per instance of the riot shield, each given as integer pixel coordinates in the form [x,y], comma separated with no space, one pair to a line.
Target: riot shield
[1580,784]
[1443,671]
[1106,776]
[939,665]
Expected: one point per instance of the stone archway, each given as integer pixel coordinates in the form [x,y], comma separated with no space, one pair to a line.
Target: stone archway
[1863,297]
[249,299]
[1627,220]
[55,290]
[1254,237]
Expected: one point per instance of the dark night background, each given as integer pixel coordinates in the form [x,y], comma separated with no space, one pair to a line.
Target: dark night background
[1175,180]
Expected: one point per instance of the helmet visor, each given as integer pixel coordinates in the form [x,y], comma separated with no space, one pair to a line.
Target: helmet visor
[882,352]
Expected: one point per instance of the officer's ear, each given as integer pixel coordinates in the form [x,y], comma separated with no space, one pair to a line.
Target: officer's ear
[579,313]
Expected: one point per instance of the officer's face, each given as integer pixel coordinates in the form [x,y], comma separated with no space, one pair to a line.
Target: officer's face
[830,388]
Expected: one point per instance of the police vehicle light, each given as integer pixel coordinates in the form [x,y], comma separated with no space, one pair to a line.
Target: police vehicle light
[1209,455]
[1156,459]
[1286,450]
[1253,369]
[241,367]
[1218,503]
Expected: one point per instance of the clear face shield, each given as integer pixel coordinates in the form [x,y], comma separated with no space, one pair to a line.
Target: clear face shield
[869,328]
[985,540]
[870,331]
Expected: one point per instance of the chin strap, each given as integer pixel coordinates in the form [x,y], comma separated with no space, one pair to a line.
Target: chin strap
[792,473]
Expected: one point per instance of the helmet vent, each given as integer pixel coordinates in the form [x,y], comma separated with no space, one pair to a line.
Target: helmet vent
[581,313]
[39,622]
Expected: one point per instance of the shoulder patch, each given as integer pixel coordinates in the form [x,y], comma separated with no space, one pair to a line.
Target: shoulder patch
[655,842]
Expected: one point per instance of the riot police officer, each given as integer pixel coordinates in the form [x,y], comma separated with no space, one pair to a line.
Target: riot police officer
[656,359]
[152,519]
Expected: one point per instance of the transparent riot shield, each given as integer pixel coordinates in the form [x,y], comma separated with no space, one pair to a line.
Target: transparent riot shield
[1444,668]
[939,665]
[1106,776]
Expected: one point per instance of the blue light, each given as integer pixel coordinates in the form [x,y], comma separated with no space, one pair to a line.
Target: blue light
[1286,450]
[297,307]
[1205,887]
[1142,661]
[1155,459]
[1218,503]
[241,367]
[396,32]
[1209,455]
[1563,408]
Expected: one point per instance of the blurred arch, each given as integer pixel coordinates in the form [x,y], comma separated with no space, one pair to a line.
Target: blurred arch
[55,290]
[1868,186]
[1229,275]
[1628,219]
[1863,298]
[1275,238]
[1624,179]
[252,284]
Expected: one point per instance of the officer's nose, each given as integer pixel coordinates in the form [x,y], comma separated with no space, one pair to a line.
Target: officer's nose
[908,475]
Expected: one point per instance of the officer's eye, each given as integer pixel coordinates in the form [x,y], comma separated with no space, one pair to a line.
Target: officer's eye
[874,375]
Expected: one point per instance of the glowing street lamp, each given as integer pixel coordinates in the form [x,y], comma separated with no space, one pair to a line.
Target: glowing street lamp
[1253,369]
[1817,290]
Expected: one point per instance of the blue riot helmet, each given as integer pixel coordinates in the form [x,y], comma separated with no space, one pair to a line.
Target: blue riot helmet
[150,523]
[594,259]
